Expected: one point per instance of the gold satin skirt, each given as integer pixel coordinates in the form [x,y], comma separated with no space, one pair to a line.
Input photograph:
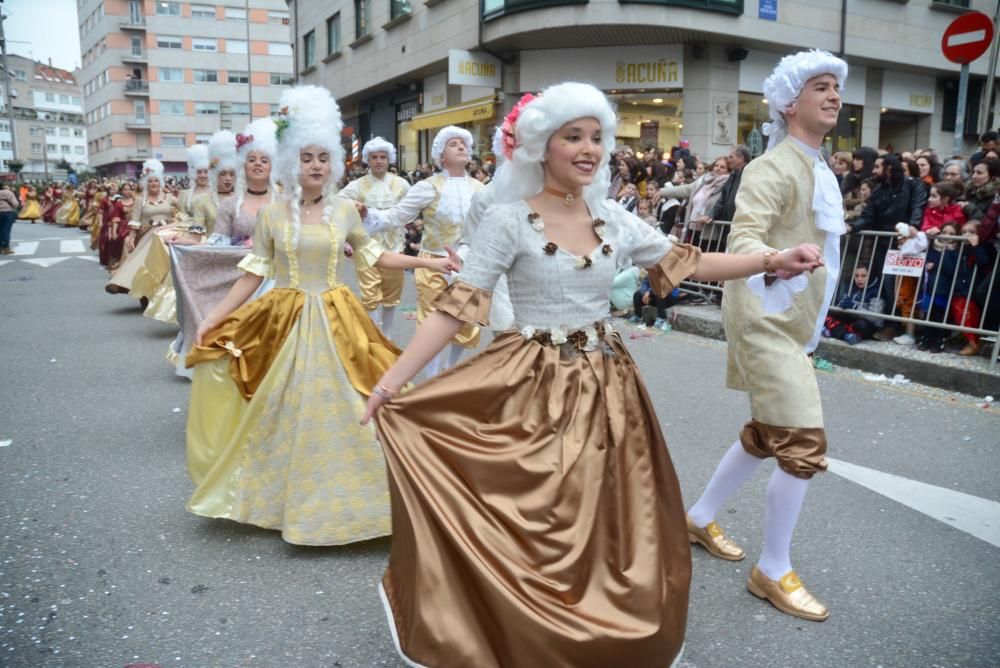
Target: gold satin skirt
[155,268]
[537,519]
[283,448]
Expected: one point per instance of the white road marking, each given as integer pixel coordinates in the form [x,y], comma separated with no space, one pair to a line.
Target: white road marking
[92,258]
[71,246]
[3,262]
[26,248]
[46,261]
[961,38]
[971,514]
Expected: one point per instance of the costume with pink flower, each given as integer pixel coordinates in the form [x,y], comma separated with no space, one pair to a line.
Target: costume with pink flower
[537,519]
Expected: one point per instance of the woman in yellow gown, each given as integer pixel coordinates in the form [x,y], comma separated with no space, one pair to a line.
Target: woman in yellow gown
[32,209]
[68,214]
[279,387]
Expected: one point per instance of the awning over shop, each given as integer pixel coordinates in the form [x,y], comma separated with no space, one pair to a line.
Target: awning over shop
[482,109]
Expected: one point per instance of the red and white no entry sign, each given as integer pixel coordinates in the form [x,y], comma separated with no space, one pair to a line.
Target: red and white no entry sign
[967,38]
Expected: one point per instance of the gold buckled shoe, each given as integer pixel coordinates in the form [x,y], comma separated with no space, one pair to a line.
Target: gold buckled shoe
[788,595]
[713,539]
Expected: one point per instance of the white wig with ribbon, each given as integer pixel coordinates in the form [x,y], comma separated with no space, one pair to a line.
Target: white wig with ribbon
[309,116]
[783,87]
[151,168]
[259,135]
[445,135]
[522,175]
[197,158]
[377,145]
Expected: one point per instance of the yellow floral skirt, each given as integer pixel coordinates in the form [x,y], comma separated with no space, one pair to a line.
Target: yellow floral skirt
[274,436]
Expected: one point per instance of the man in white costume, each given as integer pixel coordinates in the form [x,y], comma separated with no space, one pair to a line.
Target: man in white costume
[788,196]
[380,189]
[443,201]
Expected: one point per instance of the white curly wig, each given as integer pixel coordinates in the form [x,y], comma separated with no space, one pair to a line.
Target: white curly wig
[259,135]
[785,84]
[222,157]
[197,158]
[151,168]
[376,145]
[522,176]
[445,135]
[309,116]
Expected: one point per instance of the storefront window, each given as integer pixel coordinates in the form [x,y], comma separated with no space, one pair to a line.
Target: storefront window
[648,121]
[754,113]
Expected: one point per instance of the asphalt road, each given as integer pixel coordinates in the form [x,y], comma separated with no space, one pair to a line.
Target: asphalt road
[100,565]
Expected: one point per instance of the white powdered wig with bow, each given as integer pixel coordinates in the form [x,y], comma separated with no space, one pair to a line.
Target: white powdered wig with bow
[221,158]
[152,168]
[378,145]
[782,88]
[259,135]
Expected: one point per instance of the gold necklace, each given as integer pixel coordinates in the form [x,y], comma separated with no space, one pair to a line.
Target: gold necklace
[569,199]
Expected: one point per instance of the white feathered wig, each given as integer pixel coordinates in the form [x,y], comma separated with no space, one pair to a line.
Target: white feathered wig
[376,145]
[197,158]
[445,135]
[309,116]
[152,168]
[259,135]
[785,84]
[526,133]
[221,158]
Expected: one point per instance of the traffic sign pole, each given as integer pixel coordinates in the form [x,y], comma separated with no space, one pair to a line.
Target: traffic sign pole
[963,92]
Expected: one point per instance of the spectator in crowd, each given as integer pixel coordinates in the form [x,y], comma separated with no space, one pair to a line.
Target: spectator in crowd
[644,210]
[987,143]
[414,233]
[841,164]
[701,196]
[863,295]
[862,163]
[864,194]
[650,308]
[956,172]
[629,196]
[481,174]
[928,169]
[942,207]
[895,199]
[983,188]
[947,284]
[911,242]
[910,169]
[725,206]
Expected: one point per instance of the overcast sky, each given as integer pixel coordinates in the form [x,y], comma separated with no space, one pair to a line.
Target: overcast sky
[43,29]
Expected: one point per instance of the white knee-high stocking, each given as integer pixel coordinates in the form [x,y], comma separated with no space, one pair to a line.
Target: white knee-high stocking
[735,469]
[785,496]
[388,316]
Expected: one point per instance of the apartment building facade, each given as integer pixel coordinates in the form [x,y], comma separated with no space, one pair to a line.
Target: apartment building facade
[159,75]
[677,69]
[48,120]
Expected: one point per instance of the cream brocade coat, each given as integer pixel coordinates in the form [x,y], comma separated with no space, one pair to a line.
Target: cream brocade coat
[767,355]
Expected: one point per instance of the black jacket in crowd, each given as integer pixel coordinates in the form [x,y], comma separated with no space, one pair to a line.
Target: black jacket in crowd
[888,206]
[725,207]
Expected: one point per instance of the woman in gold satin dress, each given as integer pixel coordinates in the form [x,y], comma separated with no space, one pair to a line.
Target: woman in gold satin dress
[537,518]
[273,434]
[68,213]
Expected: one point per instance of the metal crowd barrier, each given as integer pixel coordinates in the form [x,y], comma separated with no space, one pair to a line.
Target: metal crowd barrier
[869,250]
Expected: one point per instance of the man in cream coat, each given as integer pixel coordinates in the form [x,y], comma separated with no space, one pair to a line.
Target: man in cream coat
[788,196]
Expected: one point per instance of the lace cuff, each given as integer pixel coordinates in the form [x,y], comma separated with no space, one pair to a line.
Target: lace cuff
[464,302]
[679,263]
[134,225]
[776,295]
[257,265]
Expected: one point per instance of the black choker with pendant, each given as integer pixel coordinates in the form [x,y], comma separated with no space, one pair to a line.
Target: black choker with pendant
[257,192]
[302,202]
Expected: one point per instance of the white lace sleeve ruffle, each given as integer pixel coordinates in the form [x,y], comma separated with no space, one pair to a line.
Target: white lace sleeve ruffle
[777,297]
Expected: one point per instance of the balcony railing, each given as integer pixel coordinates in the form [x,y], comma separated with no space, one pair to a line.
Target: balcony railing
[135,55]
[138,122]
[133,23]
[137,86]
